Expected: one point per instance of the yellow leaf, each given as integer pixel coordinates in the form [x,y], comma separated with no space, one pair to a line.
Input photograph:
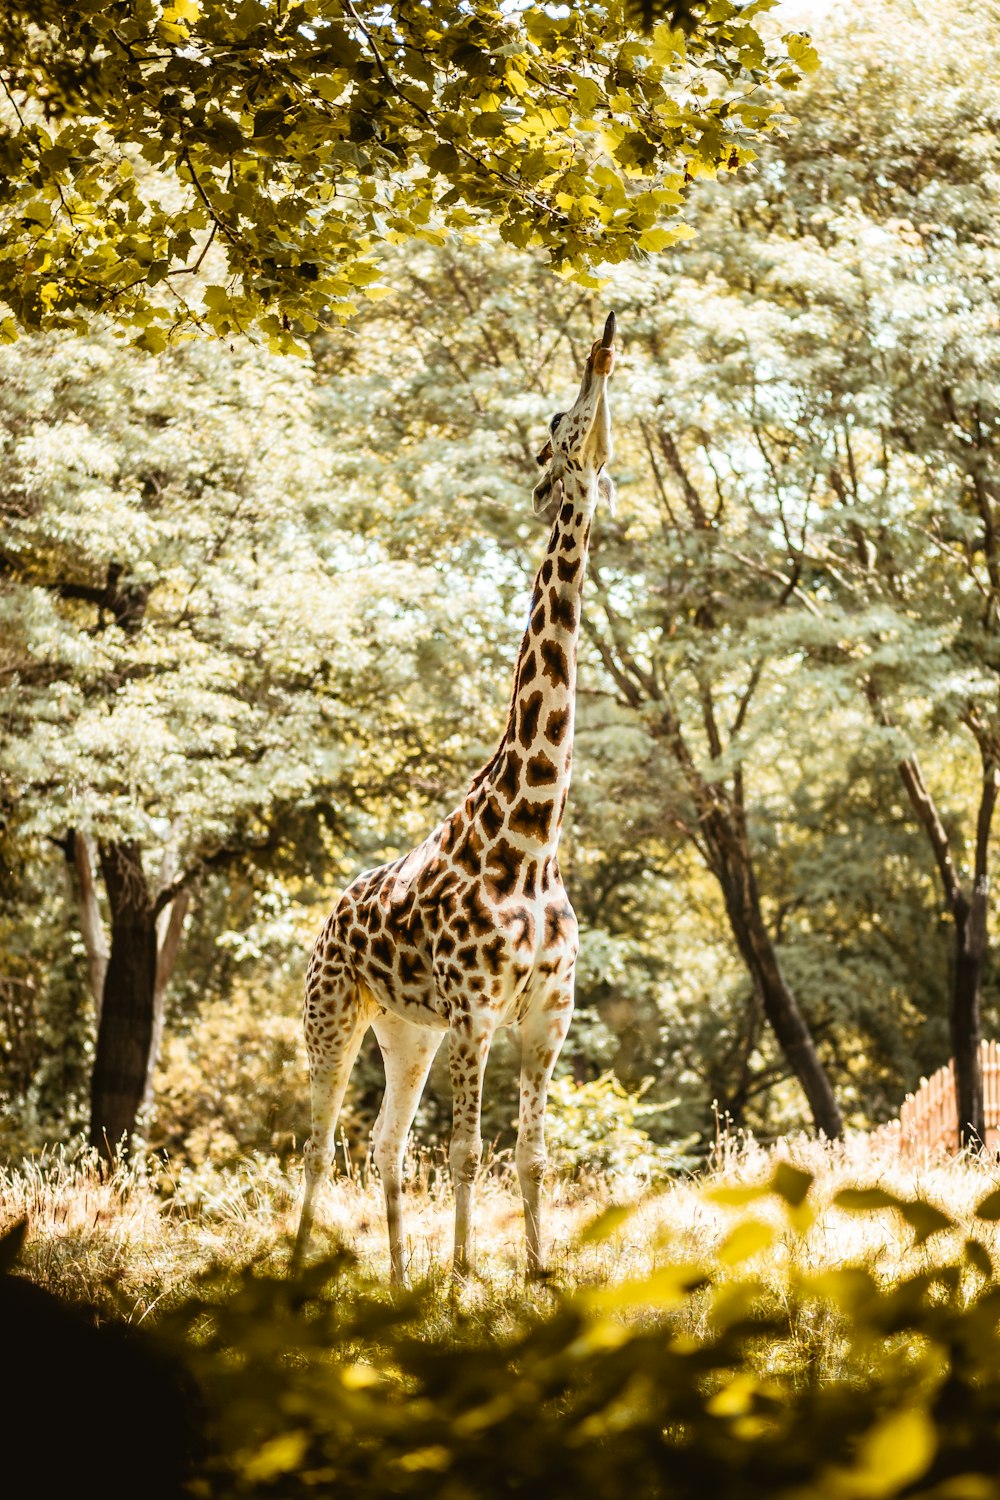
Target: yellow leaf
[667,1287]
[607,1223]
[748,1238]
[735,1399]
[668,44]
[850,1288]
[280,1456]
[659,239]
[735,1195]
[182,10]
[435,1457]
[801,51]
[48,294]
[889,1457]
[735,1301]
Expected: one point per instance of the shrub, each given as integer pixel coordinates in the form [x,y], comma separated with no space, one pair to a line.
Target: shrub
[694,1380]
[594,1127]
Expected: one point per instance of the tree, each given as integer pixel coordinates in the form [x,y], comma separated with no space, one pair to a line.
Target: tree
[872,246]
[235,166]
[194,648]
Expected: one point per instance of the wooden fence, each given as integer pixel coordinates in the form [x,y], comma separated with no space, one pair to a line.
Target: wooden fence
[928,1119]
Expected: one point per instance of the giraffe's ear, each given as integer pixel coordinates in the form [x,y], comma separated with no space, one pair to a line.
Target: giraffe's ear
[606,489]
[546,497]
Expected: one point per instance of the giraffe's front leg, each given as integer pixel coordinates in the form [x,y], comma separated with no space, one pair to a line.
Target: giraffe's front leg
[543,1031]
[407,1054]
[468,1048]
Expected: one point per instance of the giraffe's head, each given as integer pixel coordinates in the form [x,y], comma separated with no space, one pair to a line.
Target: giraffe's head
[579,443]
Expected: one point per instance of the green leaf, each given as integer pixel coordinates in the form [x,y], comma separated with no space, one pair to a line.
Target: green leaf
[791,1183]
[989,1207]
[977,1256]
[925,1219]
[866,1200]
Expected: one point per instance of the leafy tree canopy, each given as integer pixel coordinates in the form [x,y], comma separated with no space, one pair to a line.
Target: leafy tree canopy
[193,640]
[235,166]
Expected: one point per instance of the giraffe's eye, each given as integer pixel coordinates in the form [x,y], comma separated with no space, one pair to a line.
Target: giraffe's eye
[555,421]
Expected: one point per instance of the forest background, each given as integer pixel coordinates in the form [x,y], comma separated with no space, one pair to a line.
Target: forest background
[260,610]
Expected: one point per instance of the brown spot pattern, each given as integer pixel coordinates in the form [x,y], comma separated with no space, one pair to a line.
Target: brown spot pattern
[481,916]
[556,726]
[562,610]
[555,665]
[491,818]
[532,820]
[411,967]
[503,866]
[531,711]
[493,953]
[521,925]
[468,853]
[559,920]
[540,771]
[509,779]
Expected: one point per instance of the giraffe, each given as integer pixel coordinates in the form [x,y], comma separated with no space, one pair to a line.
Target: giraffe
[473,929]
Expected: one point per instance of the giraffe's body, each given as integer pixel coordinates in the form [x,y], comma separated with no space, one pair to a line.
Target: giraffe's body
[473,929]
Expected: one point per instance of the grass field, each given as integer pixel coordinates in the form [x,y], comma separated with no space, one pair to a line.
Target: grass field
[144,1232]
[804,1320]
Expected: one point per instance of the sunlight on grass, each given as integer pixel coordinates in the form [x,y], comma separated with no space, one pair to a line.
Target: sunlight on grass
[142,1231]
[809,1313]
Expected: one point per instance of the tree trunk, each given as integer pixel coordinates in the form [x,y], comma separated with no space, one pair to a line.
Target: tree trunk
[722,838]
[779,1003]
[169,929]
[963,1017]
[968,914]
[127,1026]
[80,865]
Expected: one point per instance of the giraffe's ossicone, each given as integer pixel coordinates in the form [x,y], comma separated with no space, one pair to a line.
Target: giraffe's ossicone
[473,929]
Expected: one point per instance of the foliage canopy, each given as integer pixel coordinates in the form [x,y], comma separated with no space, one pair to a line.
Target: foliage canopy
[276,148]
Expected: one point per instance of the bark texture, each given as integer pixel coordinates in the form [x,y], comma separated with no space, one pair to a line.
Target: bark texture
[128,1013]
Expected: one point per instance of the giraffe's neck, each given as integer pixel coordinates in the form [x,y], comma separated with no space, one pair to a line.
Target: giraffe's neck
[530,772]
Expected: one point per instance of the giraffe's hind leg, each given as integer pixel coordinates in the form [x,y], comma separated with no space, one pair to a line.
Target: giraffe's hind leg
[468,1049]
[543,1031]
[337,1015]
[407,1053]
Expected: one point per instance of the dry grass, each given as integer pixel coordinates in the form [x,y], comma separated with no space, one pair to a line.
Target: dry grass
[137,1236]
